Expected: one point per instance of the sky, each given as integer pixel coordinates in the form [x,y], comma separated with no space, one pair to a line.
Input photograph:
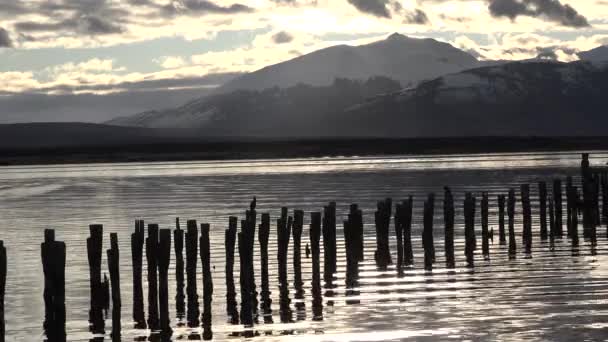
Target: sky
[129,55]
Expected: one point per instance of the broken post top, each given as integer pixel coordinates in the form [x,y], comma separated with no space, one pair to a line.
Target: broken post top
[49,235]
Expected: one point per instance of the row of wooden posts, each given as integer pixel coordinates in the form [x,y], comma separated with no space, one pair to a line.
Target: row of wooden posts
[156,247]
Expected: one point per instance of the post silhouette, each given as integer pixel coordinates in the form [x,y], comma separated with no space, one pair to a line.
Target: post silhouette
[180,297]
[427,233]
[137,244]
[542,197]
[298,227]
[329,243]
[315,235]
[164,259]
[230,240]
[485,232]
[94,253]
[53,255]
[207,282]
[502,238]
[448,218]
[152,259]
[192,313]
[382,254]
[557,202]
[527,218]
[511,214]
[113,256]
[3,263]
[469,229]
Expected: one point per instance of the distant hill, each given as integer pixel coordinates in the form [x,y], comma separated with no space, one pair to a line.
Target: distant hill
[407,60]
[599,54]
[515,99]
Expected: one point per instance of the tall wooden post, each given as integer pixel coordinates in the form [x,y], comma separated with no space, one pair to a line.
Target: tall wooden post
[542,196]
[113,263]
[152,258]
[263,236]
[427,233]
[469,232]
[207,282]
[382,222]
[53,254]
[180,297]
[448,218]
[230,240]
[485,232]
[511,214]
[137,244]
[164,259]
[315,235]
[557,201]
[502,238]
[329,243]
[2,289]
[527,218]
[94,252]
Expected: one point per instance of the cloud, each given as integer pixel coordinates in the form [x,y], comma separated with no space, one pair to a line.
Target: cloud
[378,8]
[416,17]
[171,62]
[5,40]
[552,10]
[282,37]
[201,7]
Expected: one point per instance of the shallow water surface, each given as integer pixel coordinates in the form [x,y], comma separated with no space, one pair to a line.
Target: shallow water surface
[559,294]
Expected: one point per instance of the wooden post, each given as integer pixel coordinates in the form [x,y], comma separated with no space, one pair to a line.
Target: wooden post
[551,224]
[315,235]
[574,216]
[180,297]
[485,232]
[399,234]
[557,201]
[94,252]
[502,238]
[407,232]
[263,236]
[251,221]
[192,313]
[511,214]
[164,259]
[207,282]
[542,195]
[448,218]
[352,262]
[2,289]
[382,220]
[604,186]
[298,226]
[113,263]
[569,205]
[469,232]
[355,218]
[152,258]
[245,257]
[230,240]
[53,255]
[284,226]
[427,233]
[329,243]
[527,218]
[137,244]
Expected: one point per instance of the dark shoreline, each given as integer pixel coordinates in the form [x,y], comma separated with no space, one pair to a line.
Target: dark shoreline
[303,148]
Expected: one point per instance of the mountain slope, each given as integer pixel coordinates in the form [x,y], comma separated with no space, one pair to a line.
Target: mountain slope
[407,60]
[515,99]
[599,54]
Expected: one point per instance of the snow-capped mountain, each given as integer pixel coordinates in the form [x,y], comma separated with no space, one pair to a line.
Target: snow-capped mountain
[515,99]
[405,59]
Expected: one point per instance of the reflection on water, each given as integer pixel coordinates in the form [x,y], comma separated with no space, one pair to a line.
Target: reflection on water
[558,294]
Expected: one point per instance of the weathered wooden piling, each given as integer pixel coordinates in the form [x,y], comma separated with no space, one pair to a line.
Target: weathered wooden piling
[604,187]
[180,297]
[574,216]
[527,218]
[329,243]
[502,238]
[399,234]
[229,241]
[557,202]
[3,263]
[284,226]
[485,231]
[427,232]
[469,229]
[352,243]
[448,219]
[551,223]
[164,259]
[251,220]
[263,236]
[152,259]
[542,197]
[408,251]
[511,215]
[245,237]
[94,253]
[315,236]
[207,282]
[382,254]
[53,255]
[137,244]
[192,314]
[113,256]
[298,227]
[355,218]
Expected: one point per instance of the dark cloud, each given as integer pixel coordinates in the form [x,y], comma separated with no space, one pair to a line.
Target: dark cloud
[552,10]
[202,7]
[296,3]
[282,37]
[547,53]
[87,24]
[416,17]
[5,40]
[378,8]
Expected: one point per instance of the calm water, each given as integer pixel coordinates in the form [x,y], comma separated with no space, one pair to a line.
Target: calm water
[555,295]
